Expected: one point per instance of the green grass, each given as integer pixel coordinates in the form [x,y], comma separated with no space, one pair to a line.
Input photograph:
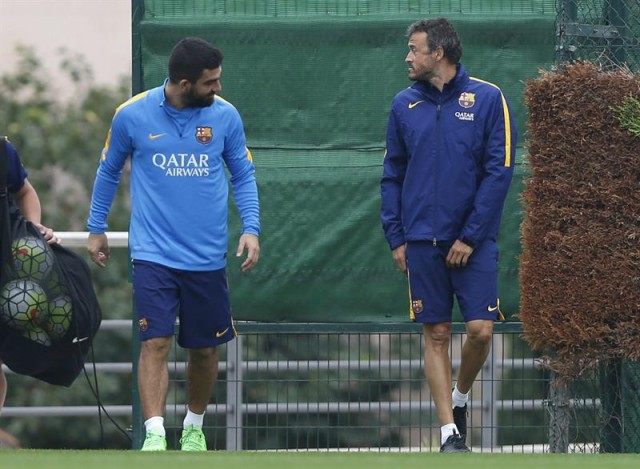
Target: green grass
[52,459]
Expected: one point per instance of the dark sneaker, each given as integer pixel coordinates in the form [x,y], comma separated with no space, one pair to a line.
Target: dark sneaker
[460,419]
[454,444]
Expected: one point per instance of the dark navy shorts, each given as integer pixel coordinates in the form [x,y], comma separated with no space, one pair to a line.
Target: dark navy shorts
[199,301]
[432,286]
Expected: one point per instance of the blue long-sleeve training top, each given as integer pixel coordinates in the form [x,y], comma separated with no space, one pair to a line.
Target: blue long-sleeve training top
[179,186]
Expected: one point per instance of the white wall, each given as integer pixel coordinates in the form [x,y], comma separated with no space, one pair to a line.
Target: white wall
[100,30]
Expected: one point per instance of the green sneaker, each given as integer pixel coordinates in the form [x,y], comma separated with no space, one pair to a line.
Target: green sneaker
[154,442]
[193,439]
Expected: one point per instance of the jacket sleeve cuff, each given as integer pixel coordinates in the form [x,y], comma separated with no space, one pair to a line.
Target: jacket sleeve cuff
[468,242]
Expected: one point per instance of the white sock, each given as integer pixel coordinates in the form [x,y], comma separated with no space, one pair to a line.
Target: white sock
[446,431]
[457,398]
[155,425]
[193,419]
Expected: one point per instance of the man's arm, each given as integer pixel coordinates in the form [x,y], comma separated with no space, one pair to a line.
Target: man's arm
[498,161]
[116,150]
[28,202]
[394,170]
[239,161]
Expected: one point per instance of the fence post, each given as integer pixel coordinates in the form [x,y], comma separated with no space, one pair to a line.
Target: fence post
[616,13]
[610,378]
[234,394]
[489,410]
[137,428]
[559,410]
[567,14]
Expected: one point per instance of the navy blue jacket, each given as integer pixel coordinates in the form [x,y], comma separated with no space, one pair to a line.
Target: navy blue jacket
[448,163]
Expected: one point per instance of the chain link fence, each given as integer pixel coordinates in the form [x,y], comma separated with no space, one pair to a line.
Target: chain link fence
[605,32]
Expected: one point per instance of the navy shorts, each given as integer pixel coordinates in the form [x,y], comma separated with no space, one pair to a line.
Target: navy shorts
[432,285]
[198,300]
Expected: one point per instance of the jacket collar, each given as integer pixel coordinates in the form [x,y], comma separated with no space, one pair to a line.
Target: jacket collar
[450,88]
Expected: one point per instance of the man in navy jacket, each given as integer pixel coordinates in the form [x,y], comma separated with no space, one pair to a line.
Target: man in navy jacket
[447,169]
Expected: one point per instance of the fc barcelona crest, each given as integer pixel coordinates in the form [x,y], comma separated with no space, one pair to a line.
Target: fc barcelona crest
[416,306]
[467,100]
[204,134]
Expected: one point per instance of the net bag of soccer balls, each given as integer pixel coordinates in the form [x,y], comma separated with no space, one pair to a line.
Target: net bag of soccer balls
[36,302]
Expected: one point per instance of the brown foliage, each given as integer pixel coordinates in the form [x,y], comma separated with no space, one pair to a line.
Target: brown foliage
[580,263]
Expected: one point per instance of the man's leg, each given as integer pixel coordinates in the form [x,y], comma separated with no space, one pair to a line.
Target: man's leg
[153,384]
[474,353]
[153,375]
[437,368]
[202,371]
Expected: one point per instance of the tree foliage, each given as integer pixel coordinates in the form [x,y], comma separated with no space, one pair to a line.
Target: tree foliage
[628,114]
[60,141]
[579,297]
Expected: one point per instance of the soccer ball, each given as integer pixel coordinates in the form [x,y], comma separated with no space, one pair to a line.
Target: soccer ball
[54,285]
[23,303]
[59,320]
[37,334]
[32,258]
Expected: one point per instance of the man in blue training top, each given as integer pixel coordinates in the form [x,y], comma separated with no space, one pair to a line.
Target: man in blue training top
[447,169]
[179,136]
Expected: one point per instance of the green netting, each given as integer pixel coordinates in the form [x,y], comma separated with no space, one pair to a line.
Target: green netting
[324,256]
[314,82]
[176,9]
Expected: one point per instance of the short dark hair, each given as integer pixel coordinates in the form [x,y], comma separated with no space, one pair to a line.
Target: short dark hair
[190,57]
[440,33]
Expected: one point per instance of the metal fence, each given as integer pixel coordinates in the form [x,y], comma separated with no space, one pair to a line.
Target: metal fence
[357,387]
[606,32]
[361,387]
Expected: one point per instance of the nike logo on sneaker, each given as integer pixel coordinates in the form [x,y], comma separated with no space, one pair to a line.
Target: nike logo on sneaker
[221,333]
[153,137]
[412,105]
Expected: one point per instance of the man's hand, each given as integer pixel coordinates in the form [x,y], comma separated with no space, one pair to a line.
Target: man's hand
[251,243]
[458,255]
[98,247]
[400,257]
[47,233]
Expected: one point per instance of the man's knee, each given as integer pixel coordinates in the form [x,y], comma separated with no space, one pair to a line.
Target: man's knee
[480,332]
[438,335]
[157,347]
[203,355]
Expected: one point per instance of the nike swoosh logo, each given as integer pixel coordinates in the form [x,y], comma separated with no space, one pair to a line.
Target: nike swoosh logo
[153,137]
[220,334]
[76,340]
[489,308]
[412,105]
